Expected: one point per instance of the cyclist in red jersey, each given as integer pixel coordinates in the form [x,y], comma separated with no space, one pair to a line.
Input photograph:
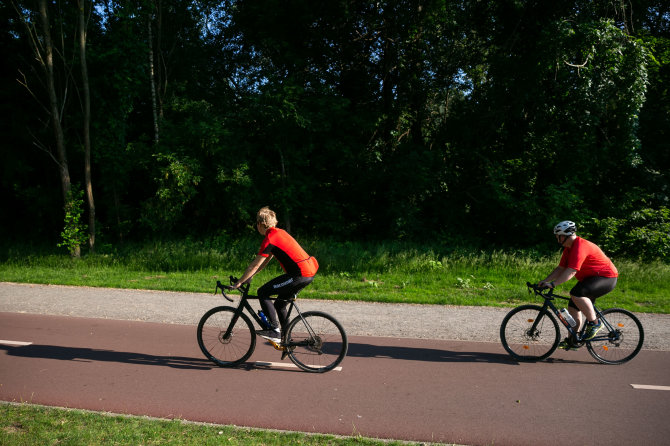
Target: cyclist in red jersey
[299,268]
[594,271]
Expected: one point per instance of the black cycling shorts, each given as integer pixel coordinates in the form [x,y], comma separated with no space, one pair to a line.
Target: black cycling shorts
[593,288]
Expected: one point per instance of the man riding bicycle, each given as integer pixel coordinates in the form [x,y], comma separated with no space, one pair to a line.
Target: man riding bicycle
[594,271]
[299,268]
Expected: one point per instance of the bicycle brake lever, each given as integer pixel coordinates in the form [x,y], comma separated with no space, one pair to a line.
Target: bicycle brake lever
[223,287]
[227,298]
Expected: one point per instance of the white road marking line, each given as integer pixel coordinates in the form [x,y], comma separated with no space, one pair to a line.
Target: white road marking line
[15,343]
[646,387]
[287,365]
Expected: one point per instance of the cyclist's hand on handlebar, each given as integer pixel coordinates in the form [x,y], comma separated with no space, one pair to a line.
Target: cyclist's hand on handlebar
[237,285]
[542,284]
[234,283]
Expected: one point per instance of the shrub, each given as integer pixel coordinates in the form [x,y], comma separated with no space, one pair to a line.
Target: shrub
[645,235]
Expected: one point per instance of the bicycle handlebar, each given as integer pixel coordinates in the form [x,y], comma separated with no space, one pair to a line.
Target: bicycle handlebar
[540,290]
[243,288]
[223,288]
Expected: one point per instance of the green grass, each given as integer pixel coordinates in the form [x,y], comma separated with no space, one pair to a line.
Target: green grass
[25,424]
[374,272]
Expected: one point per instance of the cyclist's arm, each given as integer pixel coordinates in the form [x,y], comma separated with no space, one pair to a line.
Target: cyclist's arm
[558,276]
[254,267]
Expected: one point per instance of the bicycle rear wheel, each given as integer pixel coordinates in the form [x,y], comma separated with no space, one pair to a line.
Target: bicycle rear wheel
[522,341]
[226,351]
[620,340]
[316,342]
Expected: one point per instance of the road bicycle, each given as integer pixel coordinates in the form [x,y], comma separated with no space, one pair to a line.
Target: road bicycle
[531,333]
[314,341]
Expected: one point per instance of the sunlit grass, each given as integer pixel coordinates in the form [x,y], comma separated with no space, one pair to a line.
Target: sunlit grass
[24,424]
[379,272]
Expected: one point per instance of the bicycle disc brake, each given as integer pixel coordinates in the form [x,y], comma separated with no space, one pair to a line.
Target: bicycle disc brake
[223,339]
[616,337]
[533,334]
[315,344]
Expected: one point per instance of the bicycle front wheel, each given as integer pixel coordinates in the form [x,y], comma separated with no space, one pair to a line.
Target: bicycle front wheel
[620,340]
[316,342]
[226,351]
[529,333]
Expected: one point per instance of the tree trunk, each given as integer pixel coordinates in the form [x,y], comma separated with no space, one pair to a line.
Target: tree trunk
[53,102]
[161,73]
[153,82]
[53,107]
[287,217]
[87,126]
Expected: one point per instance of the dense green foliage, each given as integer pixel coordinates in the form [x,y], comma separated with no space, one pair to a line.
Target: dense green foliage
[478,123]
[74,234]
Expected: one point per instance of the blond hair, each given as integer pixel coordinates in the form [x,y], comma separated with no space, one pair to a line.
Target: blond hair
[266,217]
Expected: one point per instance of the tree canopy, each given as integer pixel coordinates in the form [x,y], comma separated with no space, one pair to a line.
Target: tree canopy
[473,122]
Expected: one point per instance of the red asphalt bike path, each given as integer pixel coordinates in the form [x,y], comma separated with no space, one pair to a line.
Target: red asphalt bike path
[406,389]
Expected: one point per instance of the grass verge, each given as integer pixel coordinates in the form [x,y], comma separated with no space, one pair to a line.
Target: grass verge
[394,272]
[27,424]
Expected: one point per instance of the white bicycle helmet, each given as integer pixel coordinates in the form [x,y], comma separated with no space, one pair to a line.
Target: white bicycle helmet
[566,227]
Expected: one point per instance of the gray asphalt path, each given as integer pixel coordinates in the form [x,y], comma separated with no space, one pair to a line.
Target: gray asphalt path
[443,322]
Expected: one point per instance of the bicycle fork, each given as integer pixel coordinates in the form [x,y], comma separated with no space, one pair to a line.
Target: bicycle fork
[532,332]
[310,330]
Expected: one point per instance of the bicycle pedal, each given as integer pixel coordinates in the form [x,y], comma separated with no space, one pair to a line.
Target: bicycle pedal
[277,346]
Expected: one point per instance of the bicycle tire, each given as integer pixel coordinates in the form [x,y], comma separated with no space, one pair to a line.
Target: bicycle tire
[323,350]
[523,345]
[226,352]
[622,343]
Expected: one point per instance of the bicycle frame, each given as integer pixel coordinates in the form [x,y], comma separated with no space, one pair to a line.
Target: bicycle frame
[548,297]
[244,304]
[314,340]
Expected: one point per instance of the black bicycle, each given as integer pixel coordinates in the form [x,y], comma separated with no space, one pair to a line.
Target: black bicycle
[531,333]
[314,341]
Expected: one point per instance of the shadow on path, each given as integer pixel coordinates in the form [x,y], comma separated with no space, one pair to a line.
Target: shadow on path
[425,354]
[89,355]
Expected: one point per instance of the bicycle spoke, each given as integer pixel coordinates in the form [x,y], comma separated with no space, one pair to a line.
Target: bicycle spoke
[527,336]
[620,340]
[219,348]
[316,342]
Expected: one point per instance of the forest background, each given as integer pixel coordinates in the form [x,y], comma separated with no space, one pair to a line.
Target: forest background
[475,124]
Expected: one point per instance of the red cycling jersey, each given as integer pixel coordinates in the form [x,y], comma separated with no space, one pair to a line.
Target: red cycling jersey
[292,258]
[588,259]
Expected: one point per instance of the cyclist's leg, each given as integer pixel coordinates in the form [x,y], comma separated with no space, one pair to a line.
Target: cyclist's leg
[583,297]
[581,309]
[284,286]
[576,313]
[286,294]
[271,288]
